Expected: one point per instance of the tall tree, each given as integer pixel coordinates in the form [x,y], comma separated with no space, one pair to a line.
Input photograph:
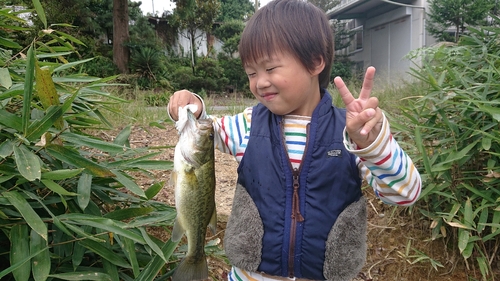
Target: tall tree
[458,14]
[194,16]
[235,10]
[121,35]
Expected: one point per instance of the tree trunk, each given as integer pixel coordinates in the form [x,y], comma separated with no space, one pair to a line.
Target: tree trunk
[121,52]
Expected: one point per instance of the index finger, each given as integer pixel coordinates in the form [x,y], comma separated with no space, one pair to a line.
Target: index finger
[344,92]
[367,83]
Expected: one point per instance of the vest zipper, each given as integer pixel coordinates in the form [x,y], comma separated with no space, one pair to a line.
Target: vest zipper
[296,215]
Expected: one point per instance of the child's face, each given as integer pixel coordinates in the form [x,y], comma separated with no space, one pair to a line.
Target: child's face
[284,85]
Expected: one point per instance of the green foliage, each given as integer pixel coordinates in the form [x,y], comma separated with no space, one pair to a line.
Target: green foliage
[69,206]
[239,10]
[209,76]
[455,128]
[234,72]
[100,67]
[229,32]
[458,14]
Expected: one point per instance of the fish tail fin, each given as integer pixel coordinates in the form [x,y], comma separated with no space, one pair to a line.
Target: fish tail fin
[191,268]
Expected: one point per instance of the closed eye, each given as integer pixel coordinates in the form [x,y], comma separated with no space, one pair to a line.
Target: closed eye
[270,69]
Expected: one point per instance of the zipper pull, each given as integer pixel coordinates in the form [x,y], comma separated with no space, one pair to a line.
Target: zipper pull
[296,215]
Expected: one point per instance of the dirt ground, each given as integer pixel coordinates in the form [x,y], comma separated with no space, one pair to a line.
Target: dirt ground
[395,237]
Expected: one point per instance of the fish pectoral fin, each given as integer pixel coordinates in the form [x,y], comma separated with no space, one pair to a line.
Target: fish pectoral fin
[173,178]
[213,222]
[177,232]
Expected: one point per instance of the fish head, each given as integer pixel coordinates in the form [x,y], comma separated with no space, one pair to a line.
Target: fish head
[196,139]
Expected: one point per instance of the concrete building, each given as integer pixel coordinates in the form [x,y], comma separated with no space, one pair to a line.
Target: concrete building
[387,30]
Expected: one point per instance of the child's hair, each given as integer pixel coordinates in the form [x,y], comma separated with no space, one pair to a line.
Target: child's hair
[293,26]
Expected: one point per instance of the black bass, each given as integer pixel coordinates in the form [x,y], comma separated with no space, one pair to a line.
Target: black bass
[194,180]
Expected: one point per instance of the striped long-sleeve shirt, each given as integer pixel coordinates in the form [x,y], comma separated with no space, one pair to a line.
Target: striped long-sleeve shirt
[384,165]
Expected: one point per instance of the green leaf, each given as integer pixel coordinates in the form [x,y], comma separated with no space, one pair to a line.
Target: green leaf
[40,12]
[5,79]
[19,251]
[122,138]
[6,42]
[50,184]
[128,213]
[102,250]
[93,143]
[79,275]
[128,183]
[486,143]
[11,120]
[71,65]
[28,163]
[6,148]
[24,208]
[105,224]
[154,189]
[28,88]
[61,174]
[129,250]
[152,244]
[40,127]
[468,214]
[40,262]
[18,265]
[84,190]
[153,267]
[463,239]
[74,158]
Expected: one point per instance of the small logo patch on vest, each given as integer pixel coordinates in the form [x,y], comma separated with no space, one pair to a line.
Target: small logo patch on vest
[334,153]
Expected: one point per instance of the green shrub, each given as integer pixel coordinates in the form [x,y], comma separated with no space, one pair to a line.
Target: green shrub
[69,206]
[455,128]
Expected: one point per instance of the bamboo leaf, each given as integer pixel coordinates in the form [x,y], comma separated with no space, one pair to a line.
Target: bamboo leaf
[24,208]
[153,267]
[71,65]
[19,251]
[124,214]
[40,12]
[152,244]
[11,120]
[50,184]
[73,158]
[98,276]
[129,249]
[463,239]
[21,263]
[40,262]
[128,183]
[122,138]
[28,163]
[5,79]
[40,127]
[6,148]
[154,189]
[468,214]
[28,88]
[6,42]
[102,250]
[84,189]
[105,224]
[61,174]
[93,143]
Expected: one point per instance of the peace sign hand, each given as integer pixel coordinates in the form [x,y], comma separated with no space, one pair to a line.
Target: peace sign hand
[363,117]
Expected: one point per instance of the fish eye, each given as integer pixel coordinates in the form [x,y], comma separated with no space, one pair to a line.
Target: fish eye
[211,136]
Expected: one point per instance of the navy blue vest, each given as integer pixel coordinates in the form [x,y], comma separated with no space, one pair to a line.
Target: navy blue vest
[328,182]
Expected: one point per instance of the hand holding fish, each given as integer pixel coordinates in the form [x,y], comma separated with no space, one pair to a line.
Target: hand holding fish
[180,99]
[363,117]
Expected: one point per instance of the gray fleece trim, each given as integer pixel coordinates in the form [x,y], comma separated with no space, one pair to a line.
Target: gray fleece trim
[244,232]
[345,252]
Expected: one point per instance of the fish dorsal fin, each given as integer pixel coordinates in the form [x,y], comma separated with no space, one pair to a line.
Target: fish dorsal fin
[184,117]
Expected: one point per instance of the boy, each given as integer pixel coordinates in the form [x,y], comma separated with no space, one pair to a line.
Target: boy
[298,211]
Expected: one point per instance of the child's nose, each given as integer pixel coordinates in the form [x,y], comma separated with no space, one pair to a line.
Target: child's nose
[263,82]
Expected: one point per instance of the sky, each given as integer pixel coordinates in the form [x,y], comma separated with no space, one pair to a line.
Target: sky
[166,5]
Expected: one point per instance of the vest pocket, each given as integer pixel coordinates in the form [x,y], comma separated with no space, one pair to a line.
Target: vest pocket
[244,232]
[345,251]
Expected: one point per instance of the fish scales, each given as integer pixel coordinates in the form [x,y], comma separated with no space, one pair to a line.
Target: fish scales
[194,181]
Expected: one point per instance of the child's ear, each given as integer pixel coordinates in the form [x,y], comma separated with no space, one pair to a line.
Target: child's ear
[319,65]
